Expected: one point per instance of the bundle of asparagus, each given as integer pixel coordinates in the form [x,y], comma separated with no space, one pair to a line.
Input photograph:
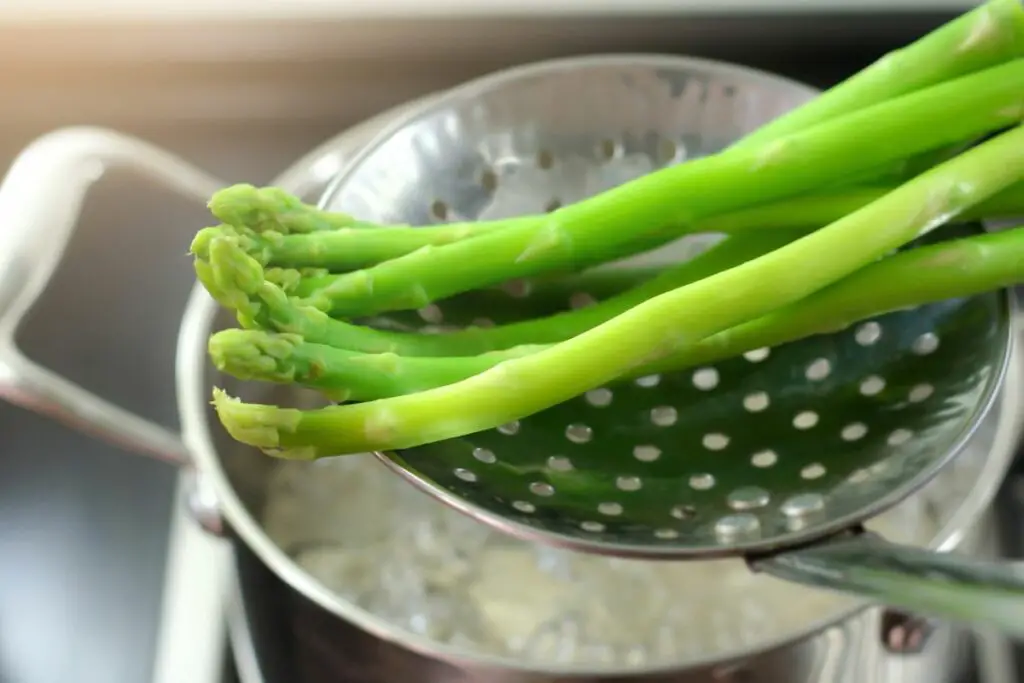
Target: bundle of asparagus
[826,203]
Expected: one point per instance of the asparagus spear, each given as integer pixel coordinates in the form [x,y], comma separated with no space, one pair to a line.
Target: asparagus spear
[271,209]
[954,268]
[338,373]
[675,195]
[239,283]
[667,324]
[807,212]
[989,34]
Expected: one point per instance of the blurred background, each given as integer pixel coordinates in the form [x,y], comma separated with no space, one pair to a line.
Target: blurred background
[243,88]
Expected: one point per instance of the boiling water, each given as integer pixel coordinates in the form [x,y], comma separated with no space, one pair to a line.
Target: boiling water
[374,540]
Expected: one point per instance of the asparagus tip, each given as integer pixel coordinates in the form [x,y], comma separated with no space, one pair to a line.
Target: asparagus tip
[261,426]
[254,354]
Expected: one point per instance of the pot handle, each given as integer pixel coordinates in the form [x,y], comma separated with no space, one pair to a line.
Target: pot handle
[937,584]
[40,201]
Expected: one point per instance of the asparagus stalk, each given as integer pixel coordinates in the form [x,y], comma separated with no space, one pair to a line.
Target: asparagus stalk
[238,282]
[954,268]
[987,35]
[339,373]
[829,152]
[271,209]
[812,211]
[667,324]
[807,212]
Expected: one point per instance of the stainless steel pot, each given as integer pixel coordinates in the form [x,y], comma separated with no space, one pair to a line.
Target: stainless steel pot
[303,632]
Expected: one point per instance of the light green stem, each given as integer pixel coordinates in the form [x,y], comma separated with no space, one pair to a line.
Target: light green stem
[261,303]
[955,268]
[668,324]
[677,195]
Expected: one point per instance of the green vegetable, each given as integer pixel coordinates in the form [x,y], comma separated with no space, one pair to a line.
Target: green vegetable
[263,304]
[954,268]
[990,34]
[668,324]
[808,212]
[679,195]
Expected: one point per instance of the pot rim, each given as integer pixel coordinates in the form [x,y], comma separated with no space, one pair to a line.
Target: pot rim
[190,371]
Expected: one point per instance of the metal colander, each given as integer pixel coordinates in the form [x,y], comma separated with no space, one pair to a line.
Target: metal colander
[753,455]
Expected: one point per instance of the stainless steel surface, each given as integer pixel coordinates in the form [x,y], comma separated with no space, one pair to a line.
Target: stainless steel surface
[302,616]
[241,101]
[949,655]
[588,473]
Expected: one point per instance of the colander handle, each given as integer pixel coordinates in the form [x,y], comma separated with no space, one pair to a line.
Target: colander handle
[40,201]
[940,585]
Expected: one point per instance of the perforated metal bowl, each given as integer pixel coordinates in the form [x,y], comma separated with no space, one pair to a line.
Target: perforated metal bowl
[754,455]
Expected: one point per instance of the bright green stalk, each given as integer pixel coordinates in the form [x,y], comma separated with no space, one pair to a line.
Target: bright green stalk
[987,35]
[807,212]
[271,209]
[240,284]
[955,268]
[681,194]
[668,324]
[338,373]
[344,249]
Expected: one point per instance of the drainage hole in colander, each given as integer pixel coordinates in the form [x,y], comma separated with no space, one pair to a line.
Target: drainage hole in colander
[599,398]
[628,483]
[925,344]
[818,370]
[872,385]
[757,355]
[702,482]
[868,333]
[607,149]
[705,379]
[560,463]
[853,431]
[646,452]
[524,506]
[748,498]
[593,527]
[664,416]
[485,455]
[715,441]
[899,437]
[579,433]
[439,210]
[765,458]
[509,428]
[805,419]
[684,512]
[543,489]
[667,151]
[431,313]
[648,381]
[465,475]
[813,471]
[610,509]
[920,392]
[489,180]
[756,402]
